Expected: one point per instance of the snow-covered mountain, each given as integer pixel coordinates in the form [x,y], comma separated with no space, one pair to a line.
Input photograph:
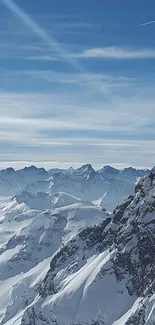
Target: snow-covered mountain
[77,264]
[11,181]
[53,171]
[29,239]
[109,172]
[108,185]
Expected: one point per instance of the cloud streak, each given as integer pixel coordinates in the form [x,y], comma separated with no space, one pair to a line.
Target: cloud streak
[119,153]
[147,23]
[117,53]
[39,31]
[41,58]
[51,42]
[41,116]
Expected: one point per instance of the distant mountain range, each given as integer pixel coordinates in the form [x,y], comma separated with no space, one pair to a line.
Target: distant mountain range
[107,186]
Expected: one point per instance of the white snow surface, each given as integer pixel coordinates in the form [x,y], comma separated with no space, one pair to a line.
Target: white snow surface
[30,234]
[37,226]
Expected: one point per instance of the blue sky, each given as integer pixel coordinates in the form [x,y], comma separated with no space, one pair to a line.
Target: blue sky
[77,83]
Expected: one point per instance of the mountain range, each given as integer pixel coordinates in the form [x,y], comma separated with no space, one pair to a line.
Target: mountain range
[107,186]
[65,260]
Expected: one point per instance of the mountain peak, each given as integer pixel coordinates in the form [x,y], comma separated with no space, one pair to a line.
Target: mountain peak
[30,168]
[33,169]
[10,170]
[108,168]
[84,171]
[70,170]
[108,172]
[86,168]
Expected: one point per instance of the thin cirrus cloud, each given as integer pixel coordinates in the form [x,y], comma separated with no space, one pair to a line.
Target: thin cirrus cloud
[51,42]
[31,138]
[41,58]
[75,156]
[128,116]
[109,82]
[118,53]
[147,23]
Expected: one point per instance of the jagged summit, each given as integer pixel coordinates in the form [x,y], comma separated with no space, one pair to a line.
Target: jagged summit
[133,172]
[84,172]
[70,170]
[30,168]
[87,168]
[109,168]
[8,170]
[108,172]
[108,183]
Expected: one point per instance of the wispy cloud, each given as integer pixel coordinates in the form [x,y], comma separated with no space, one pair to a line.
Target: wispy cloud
[74,25]
[119,53]
[18,50]
[31,124]
[42,58]
[147,23]
[119,153]
[109,82]
[49,40]
[43,114]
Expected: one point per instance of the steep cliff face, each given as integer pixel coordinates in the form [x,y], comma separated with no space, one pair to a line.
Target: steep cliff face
[106,273]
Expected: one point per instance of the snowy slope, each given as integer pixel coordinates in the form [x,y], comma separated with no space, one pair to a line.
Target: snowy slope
[43,200]
[29,239]
[104,274]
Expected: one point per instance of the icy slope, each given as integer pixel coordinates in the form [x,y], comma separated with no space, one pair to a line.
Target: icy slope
[105,274]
